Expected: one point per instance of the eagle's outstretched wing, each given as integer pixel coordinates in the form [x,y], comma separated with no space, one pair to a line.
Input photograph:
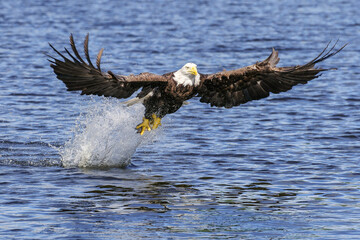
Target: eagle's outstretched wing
[232,88]
[79,75]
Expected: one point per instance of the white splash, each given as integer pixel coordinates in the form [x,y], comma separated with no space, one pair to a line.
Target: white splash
[104,136]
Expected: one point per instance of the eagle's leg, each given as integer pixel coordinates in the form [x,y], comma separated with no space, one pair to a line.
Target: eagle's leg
[145,125]
[156,121]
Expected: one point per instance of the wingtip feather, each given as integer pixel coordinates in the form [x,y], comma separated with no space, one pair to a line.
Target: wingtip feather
[98,59]
[86,50]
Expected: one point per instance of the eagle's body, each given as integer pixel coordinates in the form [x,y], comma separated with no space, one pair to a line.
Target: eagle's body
[170,97]
[165,94]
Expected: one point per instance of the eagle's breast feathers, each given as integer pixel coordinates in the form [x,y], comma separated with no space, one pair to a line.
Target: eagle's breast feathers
[179,91]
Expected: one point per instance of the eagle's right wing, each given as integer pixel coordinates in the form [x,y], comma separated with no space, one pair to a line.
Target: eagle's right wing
[79,75]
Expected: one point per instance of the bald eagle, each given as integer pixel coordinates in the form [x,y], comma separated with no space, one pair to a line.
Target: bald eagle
[165,94]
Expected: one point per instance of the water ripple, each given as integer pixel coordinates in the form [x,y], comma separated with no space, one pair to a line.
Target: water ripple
[286,167]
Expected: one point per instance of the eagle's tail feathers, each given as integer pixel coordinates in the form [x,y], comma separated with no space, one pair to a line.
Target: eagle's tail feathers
[133,101]
[138,100]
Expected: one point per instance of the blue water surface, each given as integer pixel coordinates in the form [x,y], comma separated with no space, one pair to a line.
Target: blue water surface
[285,167]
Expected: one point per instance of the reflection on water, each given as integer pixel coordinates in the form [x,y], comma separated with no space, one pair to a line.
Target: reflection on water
[191,207]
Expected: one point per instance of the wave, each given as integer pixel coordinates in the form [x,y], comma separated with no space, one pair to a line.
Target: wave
[104,136]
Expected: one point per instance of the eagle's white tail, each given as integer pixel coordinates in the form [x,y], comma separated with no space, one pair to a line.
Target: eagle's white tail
[133,101]
[138,100]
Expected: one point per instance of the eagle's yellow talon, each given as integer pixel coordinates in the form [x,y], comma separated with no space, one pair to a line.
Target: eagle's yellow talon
[156,122]
[145,125]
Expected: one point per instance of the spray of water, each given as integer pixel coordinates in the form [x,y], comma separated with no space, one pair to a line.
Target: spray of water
[105,136]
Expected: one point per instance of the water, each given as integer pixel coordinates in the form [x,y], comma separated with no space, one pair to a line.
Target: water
[286,167]
[104,137]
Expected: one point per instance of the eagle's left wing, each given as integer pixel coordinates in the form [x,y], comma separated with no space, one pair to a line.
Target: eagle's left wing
[232,88]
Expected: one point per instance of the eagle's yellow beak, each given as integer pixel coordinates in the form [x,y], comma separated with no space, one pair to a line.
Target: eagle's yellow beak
[193,70]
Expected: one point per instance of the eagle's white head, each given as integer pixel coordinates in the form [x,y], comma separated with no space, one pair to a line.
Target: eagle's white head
[187,75]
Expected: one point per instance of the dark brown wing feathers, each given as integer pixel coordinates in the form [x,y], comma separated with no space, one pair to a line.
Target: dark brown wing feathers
[232,88]
[222,89]
[79,75]
[98,59]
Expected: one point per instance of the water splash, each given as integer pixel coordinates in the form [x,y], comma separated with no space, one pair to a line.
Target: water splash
[105,136]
